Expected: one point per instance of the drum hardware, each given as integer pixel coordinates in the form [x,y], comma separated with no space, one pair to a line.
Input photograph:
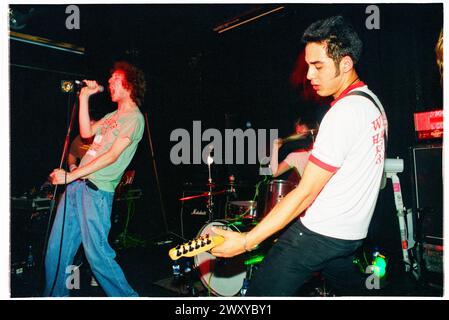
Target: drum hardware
[231,276]
[237,210]
[210,184]
[195,212]
[204,194]
[210,204]
[244,209]
[228,190]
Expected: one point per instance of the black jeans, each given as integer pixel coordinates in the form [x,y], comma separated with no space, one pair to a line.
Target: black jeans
[299,253]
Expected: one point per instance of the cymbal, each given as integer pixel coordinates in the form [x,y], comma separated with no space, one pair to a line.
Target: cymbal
[204,194]
[219,184]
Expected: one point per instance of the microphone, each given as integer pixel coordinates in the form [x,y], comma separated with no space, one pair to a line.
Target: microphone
[82,84]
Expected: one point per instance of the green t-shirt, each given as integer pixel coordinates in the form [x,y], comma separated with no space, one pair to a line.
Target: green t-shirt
[129,124]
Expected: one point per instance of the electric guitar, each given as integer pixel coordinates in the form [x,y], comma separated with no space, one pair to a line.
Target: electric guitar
[195,246]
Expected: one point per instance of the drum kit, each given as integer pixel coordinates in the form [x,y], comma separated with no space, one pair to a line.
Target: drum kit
[230,276]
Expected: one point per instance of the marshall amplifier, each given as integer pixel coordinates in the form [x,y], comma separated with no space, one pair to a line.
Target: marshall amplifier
[194,213]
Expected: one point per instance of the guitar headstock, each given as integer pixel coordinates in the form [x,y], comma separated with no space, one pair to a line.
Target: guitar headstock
[195,246]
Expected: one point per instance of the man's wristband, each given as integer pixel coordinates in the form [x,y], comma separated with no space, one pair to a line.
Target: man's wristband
[245,245]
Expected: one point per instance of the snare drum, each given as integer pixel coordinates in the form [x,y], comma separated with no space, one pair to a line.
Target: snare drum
[223,276]
[241,210]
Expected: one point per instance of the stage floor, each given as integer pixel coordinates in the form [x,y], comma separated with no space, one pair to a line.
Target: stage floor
[148,269]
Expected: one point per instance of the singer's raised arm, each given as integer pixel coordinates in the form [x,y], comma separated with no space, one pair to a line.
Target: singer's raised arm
[87,129]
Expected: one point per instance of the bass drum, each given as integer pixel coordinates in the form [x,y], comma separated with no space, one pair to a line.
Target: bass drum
[222,276]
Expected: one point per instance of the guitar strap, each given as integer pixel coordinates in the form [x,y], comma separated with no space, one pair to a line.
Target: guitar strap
[380,108]
[384,117]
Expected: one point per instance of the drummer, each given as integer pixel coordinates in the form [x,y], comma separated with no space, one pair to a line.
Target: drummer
[305,131]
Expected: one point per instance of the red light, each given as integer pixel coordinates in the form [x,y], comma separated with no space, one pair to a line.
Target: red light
[429,124]
[404,244]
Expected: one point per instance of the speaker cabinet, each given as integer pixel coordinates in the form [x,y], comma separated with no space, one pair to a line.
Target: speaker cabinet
[427,177]
[27,233]
[194,213]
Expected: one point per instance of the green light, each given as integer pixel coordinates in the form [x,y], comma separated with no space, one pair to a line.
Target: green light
[380,266]
[254,260]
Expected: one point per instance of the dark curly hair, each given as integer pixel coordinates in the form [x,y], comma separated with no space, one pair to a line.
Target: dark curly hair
[340,37]
[135,80]
[307,121]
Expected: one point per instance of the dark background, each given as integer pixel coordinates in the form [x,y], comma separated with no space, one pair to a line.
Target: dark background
[194,73]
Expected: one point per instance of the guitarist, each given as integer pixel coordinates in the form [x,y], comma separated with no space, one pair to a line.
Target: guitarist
[339,189]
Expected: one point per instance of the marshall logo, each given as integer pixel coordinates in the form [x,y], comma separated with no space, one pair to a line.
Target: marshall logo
[196,212]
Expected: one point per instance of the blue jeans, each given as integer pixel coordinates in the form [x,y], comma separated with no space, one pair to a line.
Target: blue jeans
[299,253]
[87,221]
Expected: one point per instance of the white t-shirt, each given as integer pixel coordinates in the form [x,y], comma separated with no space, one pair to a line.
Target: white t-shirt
[351,144]
[298,160]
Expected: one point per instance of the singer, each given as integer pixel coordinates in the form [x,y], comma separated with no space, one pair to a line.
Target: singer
[332,206]
[87,204]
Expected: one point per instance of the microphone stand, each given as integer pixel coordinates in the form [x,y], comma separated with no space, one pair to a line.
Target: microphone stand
[164,219]
[55,189]
[210,203]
